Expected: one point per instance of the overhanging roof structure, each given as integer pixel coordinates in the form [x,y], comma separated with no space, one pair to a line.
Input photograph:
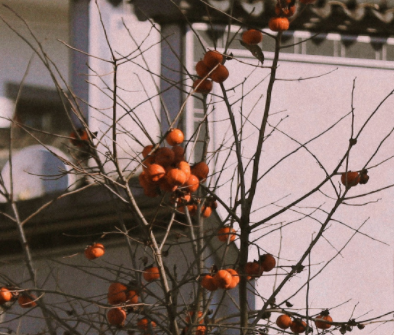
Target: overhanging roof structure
[356,17]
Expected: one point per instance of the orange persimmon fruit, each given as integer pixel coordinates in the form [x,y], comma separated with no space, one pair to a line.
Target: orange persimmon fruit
[252,36]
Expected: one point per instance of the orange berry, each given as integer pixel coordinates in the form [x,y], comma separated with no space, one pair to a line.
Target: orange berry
[352,178]
[200,170]
[176,177]
[225,232]
[279,24]
[192,184]
[208,283]
[252,36]
[223,279]
[116,293]
[174,137]
[164,157]
[5,295]
[202,69]
[267,262]
[151,273]
[116,316]
[147,150]
[212,58]
[25,301]
[185,168]
[320,321]
[155,172]
[220,74]
[204,87]
[235,280]
[206,211]
[283,321]
[94,251]
[179,153]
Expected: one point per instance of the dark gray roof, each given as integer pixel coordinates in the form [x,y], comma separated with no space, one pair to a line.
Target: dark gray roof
[351,17]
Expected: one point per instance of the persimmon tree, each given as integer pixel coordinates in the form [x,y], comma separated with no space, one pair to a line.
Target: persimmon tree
[189,266]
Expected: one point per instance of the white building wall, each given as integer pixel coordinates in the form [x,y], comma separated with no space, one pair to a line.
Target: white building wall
[302,109]
[138,109]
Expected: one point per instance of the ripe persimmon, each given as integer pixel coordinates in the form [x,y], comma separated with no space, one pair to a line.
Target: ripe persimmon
[155,172]
[298,326]
[208,283]
[212,58]
[202,69]
[253,269]
[223,279]
[185,168]
[146,151]
[202,86]
[116,316]
[206,211]
[200,170]
[252,36]
[165,186]
[192,184]
[144,323]
[279,24]
[283,321]
[26,300]
[132,297]
[179,153]
[117,293]
[350,178]
[267,262]
[175,177]
[320,321]
[151,273]
[94,251]
[225,232]
[220,74]
[164,157]
[175,137]
[5,295]
[235,280]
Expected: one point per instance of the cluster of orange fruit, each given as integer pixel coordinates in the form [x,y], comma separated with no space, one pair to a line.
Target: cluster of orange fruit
[9,295]
[119,293]
[165,169]
[298,326]
[226,279]
[229,278]
[256,268]
[213,60]
[350,178]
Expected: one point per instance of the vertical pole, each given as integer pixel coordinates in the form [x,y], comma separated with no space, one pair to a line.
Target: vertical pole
[79,39]
[171,71]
